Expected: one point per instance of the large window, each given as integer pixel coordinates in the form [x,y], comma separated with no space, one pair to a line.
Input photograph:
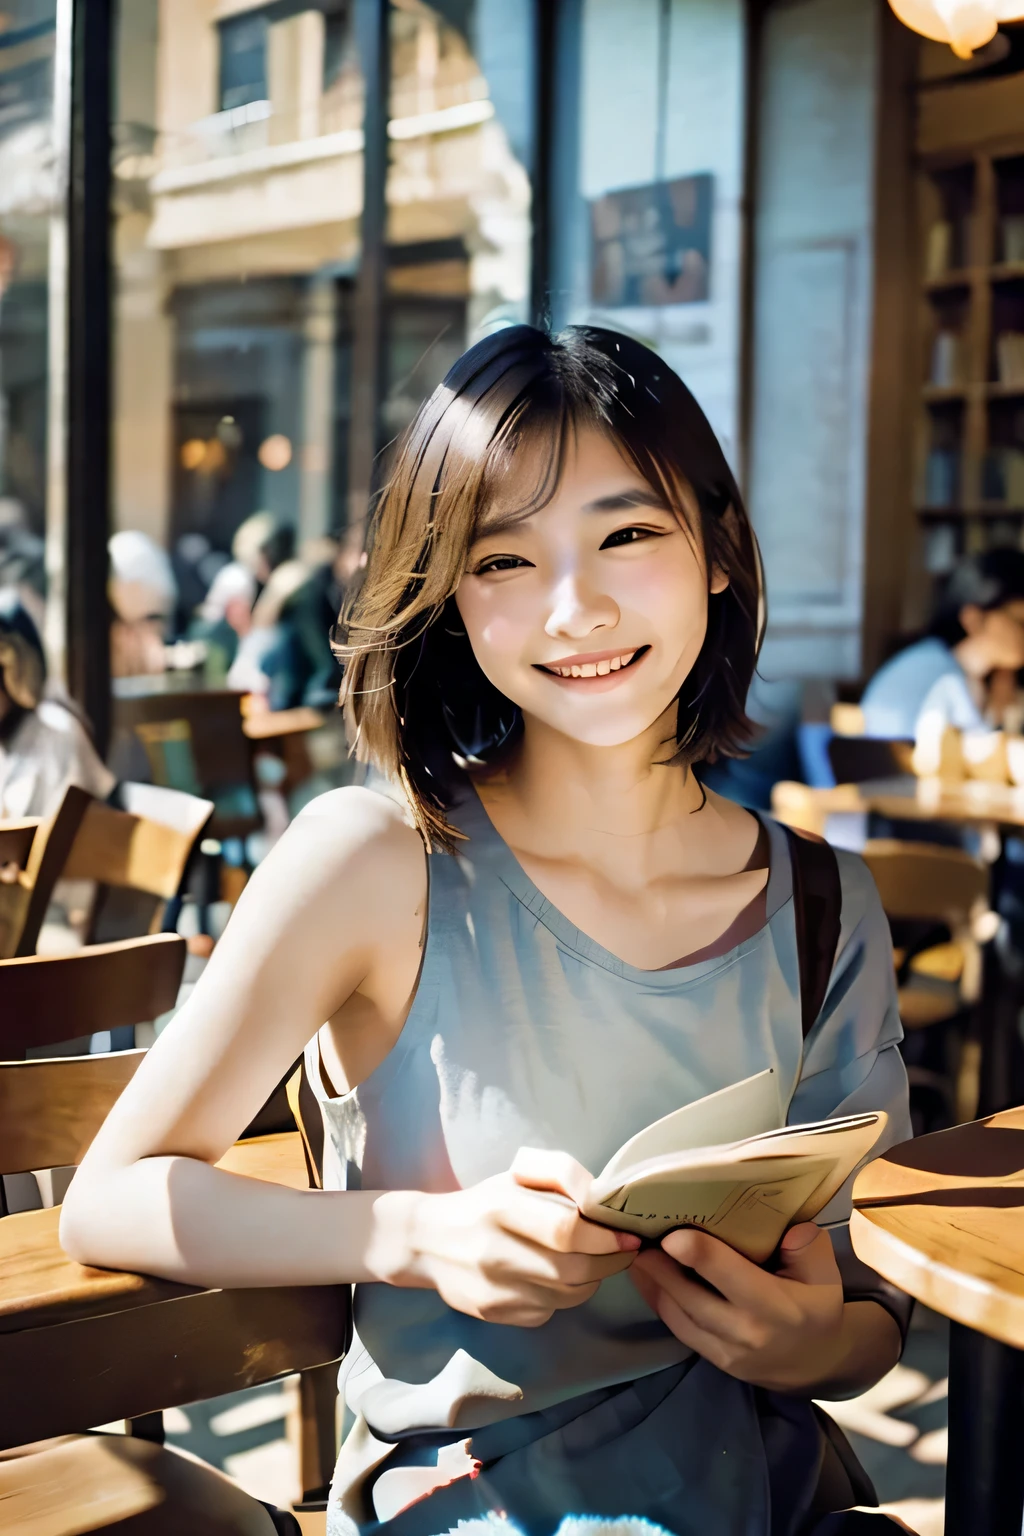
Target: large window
[239,177]
[458,191]
[27,204]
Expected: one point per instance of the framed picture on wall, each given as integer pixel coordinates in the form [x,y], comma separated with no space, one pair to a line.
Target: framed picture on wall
[651,245]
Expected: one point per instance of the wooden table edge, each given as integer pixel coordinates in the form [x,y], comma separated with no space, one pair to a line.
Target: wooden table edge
[958,1296]
[117,1290]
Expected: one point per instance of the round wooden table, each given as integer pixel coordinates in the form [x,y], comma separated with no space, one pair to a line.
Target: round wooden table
[942,1217]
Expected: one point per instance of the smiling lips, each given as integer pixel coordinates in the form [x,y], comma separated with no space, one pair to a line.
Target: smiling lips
[599,664]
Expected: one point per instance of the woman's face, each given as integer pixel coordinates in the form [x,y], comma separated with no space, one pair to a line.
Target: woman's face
[590,613]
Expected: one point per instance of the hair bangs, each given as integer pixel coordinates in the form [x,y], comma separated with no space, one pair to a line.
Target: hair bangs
[416,701]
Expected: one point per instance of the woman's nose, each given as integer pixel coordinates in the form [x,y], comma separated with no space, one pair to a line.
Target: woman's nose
[576,611]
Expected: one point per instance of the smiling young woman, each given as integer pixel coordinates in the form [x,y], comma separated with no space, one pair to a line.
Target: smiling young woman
[535,930]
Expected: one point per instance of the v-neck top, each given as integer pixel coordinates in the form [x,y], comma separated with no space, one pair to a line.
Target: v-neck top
[524,1031]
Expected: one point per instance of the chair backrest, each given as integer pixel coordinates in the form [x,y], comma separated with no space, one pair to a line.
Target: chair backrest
[16,839]
[24,900]
[917,881]
[145,847]
[51,1109]
[856,759]
[194,741]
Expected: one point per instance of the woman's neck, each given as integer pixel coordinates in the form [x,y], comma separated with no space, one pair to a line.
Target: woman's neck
[625,807]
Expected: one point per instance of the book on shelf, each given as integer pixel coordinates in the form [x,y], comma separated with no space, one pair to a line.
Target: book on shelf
[940,549]
[1013,239]
[725,1164]
[941,477]
[946,359]
[939,249]
[1010,357]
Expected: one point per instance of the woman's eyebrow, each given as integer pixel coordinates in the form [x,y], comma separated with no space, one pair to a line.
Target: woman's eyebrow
[502,522]
[621,500]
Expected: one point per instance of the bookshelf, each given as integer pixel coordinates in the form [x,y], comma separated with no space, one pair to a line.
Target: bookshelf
[969,476]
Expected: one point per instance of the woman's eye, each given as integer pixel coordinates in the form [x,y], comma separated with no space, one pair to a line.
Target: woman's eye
[499,563]
[628,536]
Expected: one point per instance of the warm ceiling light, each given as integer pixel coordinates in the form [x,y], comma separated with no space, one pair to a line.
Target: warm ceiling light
[275,452]
[964,24]
[193,453]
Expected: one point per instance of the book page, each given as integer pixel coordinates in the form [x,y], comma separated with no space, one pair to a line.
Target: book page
[744,1192]
[749,1206]
[732,1114]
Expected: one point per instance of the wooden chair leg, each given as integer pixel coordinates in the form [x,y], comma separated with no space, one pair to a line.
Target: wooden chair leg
[318,1436]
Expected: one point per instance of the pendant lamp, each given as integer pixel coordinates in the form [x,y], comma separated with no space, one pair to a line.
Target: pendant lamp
[964,24]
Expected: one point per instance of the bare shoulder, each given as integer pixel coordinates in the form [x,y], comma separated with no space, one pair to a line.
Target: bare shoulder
[350,862]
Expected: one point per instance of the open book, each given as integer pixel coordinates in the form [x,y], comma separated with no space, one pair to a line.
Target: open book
[679,1172]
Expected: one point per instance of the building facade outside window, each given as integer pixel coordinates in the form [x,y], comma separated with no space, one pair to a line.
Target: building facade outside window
[239,177]
[29,200]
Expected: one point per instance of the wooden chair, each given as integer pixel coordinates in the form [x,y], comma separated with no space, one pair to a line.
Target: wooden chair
[16,838]
[196,743]
[50,1111]
[937,903]
[137,856]
[25,894]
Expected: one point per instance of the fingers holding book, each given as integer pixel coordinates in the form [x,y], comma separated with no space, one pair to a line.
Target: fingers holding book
[514,1248]
[783,1331]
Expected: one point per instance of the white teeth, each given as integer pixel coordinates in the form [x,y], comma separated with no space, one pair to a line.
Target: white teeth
[594,668]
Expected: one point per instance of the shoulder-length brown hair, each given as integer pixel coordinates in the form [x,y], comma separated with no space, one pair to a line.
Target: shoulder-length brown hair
[416,700]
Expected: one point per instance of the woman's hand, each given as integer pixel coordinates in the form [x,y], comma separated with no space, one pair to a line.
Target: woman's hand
[783,1331]
[514,1248]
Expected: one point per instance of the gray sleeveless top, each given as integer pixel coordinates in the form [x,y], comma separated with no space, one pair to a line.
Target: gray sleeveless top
[525,1032]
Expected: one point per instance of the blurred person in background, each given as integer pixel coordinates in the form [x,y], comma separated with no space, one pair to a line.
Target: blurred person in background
[223,619]
[270,662]
[315,611]
[22,559]
[963,672]
[44,747]
[143,594]
[262,543]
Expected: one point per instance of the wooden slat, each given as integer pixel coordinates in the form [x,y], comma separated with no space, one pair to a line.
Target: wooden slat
[115,848]
[45,1000]
[23,907]
[16,840]
[136,1361]
[277,1158]
[916,880]
[39,1284]
[270,725]
[51,1110]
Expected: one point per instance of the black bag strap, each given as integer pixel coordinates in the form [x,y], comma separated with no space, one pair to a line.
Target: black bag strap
[817,909]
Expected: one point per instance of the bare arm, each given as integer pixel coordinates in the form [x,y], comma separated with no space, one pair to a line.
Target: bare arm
[307,933]
[337,902]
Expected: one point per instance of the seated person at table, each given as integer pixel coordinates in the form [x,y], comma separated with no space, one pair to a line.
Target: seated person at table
[43,745]
[975,640]
[560,616]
